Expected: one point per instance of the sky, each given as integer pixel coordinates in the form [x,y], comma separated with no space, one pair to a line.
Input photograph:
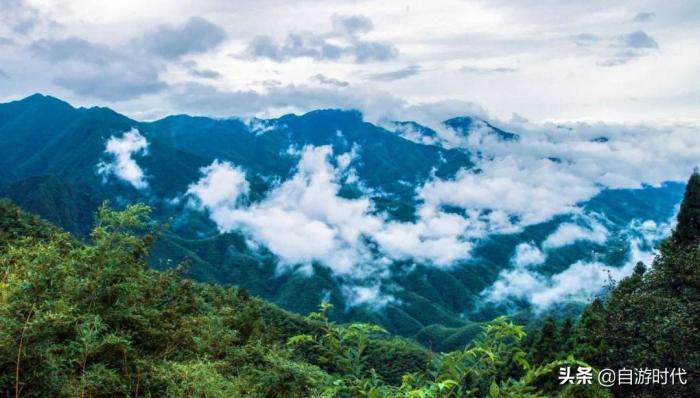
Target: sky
[612,61]
[609,88]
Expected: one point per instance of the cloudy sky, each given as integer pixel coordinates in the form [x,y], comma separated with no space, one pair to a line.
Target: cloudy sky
[633,65]
[595,60]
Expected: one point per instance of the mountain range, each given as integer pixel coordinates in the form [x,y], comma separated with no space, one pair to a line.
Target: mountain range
[305,208]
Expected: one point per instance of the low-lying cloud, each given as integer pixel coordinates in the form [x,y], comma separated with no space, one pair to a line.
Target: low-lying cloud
[550,171]
[221,188]
[569,233]
[511,192]
[123,165]
[304,220]
[527,254]
[371,295]
[581,281]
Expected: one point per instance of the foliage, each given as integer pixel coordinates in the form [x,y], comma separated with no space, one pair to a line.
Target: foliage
[94,320]
[688,227]
[475,371]
[15,224]
[651,318]
[478,369]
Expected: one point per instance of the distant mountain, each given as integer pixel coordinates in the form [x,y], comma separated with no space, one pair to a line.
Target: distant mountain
[60,202]
[466,124]
[51,152]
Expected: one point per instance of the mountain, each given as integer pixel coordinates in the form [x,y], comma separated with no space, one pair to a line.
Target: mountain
[465,126]
[60,202]
[140,330]
[92,319]
[56,161]
[649,318]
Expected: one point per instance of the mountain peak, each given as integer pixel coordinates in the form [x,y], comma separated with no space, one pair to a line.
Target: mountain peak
[465,124]
[38,98]
[327,115]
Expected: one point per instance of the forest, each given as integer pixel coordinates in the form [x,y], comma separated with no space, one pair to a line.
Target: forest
[92,319]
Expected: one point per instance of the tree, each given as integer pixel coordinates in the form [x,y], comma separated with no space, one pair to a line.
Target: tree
[651,318]
[547,343]
[93,320]
[688,229]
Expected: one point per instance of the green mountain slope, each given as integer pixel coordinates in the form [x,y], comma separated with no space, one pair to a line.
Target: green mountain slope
[649,320]
[94,320]
[61,203]
[49,152]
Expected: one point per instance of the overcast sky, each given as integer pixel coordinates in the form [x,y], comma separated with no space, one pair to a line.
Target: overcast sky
[595,60]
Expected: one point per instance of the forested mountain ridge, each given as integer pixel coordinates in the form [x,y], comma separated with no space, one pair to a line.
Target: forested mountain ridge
[651,318]
[94,320]
[89,320]
[647,322]
[56,161]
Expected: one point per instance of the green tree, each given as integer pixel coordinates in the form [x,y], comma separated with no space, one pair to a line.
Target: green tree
[650,319]
[94,321]
[688,229]
[547,343]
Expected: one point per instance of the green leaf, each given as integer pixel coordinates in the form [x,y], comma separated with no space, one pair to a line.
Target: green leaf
[494,391]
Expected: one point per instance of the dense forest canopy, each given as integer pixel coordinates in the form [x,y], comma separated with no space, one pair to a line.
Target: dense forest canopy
[93,320]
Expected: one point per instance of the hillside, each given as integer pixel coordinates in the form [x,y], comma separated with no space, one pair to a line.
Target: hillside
[136,329]
[363,184]
[94,320]
[648,320]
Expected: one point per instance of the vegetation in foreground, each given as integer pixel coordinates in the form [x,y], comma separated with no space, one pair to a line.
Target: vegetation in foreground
[92,320]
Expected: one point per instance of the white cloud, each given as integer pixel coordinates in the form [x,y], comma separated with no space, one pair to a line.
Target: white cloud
[220,189]
[581,280]
[260,126]
[569,233]
[413,132]
[303,219]
[437,238]
[367,295]
[527,254]
[344,41]
[553,168]
[605,155]
[549,171]
[511,192]
[123,165]
[442,38]
[98,71]
[196,35]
